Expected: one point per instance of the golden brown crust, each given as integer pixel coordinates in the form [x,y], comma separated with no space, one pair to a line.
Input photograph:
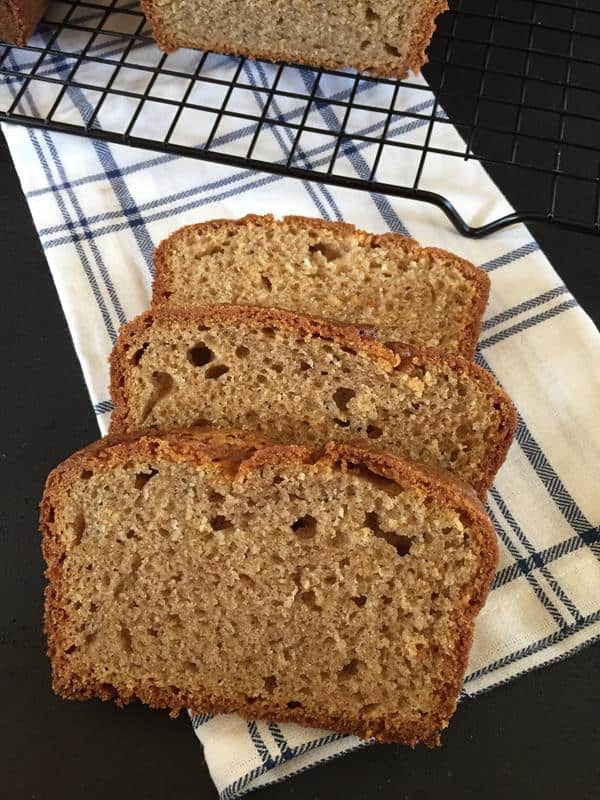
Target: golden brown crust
[163,276]
[421,36]
[397,356]
[415,58]
[19,18]
[237,454]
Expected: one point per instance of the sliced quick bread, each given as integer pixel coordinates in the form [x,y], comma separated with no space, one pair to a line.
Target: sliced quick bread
[298,378]
[384,37]
[215,572]
[421,296]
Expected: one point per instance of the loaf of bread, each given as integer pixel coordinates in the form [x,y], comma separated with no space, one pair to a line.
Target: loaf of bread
[215,572]
[422,296]
[19,18]
[297,378]
[384,37]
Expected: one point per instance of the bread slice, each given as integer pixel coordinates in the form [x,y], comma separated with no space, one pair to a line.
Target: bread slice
[298,378]
[384,37]
[424,297]
[213,571]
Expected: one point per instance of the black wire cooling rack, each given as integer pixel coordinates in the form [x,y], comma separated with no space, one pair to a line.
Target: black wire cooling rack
[511,84]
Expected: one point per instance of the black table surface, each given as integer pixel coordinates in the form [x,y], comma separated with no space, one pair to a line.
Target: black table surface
[537,737]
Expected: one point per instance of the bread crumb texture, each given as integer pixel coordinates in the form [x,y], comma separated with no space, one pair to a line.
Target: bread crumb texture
[422,296]
[383,37]
[213,571]
[294,378]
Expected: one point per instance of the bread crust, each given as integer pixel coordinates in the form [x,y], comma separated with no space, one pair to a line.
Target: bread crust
[388,357]
[163,276]
[415,58]
[237,454]
[19,18]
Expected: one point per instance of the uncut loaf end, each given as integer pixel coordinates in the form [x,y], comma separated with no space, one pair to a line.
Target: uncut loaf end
[292,377]
[19,18]
[383,37]
[213,571]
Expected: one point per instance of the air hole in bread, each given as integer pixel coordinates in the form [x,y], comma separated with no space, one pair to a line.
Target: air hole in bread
[330,252]
[71,649]
[211,250]
[163,385]
[220,523]
[202,422]
[309,598]
[305,527]
[360,600]
[270,682]
[213,373]
[250,699]
[137,356]
[371,708]
[386,485]
[341,422]
[79,527]
[399,542]
[304,366]
[216,497]
[142,478]
[370,15]
[342,396]
[242,352]
[351,668]
[200,355]
[268,331]
[125,639]
[294,704]
[373,432]
[465,519]
[86,474]
[266,283]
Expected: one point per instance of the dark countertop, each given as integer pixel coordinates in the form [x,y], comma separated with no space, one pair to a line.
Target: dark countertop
[537,737]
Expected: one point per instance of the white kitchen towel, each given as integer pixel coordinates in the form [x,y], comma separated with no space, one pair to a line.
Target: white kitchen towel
[101,209]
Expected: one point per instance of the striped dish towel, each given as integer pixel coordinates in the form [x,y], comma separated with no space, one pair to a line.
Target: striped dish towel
[100,210]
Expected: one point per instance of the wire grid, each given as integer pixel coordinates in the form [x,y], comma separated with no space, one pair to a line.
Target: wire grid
[519,78]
